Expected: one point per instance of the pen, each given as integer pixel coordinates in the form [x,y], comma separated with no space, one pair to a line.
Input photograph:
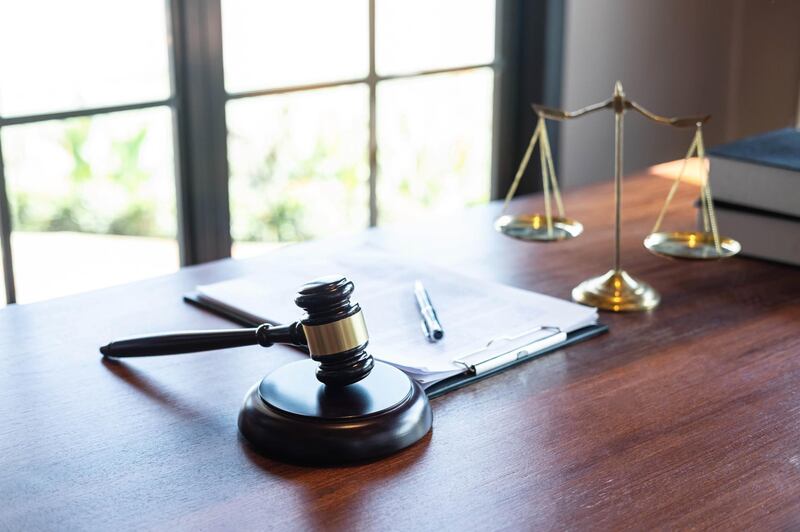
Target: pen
[430,322]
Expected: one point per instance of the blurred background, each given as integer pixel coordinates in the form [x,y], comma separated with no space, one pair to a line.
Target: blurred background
[137,136]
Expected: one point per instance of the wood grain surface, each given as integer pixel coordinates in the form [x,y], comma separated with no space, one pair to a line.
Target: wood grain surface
[684,417]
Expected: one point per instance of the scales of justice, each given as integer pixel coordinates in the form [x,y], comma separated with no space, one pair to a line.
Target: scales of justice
[617,290]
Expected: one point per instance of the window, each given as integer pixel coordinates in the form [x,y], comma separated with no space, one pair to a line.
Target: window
[139,135]
[341,77]
[86,139]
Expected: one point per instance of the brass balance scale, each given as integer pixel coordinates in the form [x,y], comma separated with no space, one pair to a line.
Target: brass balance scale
[617,290]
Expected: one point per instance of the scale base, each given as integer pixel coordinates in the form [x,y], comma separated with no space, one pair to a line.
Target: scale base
[292,417]
[618,291]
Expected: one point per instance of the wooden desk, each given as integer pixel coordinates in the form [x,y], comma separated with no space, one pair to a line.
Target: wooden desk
[688,416]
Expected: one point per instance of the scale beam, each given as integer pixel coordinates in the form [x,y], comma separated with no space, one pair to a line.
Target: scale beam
[558,114]
[676,121]
[620,103]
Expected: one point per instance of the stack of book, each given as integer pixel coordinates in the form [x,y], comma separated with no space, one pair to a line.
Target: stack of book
[756,188]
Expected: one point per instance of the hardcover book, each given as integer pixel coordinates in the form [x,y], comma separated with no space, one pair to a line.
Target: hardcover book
[762,172]
[763,235]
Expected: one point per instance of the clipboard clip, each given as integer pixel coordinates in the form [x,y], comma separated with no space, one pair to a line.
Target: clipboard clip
[501,351]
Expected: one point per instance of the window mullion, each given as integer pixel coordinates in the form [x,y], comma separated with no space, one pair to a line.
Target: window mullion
[5,236]
[76,113]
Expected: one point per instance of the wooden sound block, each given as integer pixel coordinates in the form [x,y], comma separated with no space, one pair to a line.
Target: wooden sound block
[293,417]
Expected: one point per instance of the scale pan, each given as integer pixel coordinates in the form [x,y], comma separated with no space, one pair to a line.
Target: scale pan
[691,245]
[533,227]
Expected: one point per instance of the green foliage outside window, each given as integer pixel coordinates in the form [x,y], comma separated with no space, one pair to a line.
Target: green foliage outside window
[111,202]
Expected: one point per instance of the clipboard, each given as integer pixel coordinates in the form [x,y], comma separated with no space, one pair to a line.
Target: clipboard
[478,365]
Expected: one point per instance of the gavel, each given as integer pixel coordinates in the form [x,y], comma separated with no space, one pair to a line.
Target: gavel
[347,413]
[333,330]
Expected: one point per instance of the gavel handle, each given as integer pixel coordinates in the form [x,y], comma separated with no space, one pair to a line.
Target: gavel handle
[193,341]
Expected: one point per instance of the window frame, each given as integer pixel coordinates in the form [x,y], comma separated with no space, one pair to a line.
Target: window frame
[526,67]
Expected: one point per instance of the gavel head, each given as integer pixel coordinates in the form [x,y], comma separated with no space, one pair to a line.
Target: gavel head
[335,330]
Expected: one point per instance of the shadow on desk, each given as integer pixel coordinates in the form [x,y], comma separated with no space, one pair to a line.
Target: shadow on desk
[340,501]
[153,390]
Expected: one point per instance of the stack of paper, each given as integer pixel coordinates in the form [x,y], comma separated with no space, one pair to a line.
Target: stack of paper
[473,313]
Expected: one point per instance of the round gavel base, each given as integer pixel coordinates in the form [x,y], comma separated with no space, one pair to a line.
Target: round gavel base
[293,417]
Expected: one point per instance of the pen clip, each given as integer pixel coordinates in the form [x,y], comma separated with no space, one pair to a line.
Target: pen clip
[424,326]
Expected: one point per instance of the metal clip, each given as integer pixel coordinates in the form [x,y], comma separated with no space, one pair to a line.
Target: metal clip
[488,359]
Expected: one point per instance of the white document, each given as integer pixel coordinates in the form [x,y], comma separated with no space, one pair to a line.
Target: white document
[473,313]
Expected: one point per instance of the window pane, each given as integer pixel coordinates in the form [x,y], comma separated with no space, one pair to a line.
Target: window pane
[56,56]
[434,139]
[279,43]
[93,201]
[415,35]
[298,165]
